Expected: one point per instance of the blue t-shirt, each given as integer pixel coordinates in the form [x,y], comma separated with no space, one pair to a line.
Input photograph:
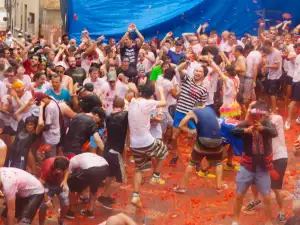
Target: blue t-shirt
[207,125]
[92,139]
[64,95]
[175,58]
[226,131]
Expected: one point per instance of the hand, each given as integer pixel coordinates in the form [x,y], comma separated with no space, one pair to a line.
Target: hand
[34,40]
[160,62]
[248,130]
[169,34]
[296,148]
[31,102]
[49,204]
[101,38]
[258,126]
[288,22]
[205,25]
[9,99]
[254,84]
[13,93]
[64,186]
[192,132]
[133,27]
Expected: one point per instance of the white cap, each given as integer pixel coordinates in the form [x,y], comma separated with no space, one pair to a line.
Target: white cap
[9,32]
[61,63]
[20,34]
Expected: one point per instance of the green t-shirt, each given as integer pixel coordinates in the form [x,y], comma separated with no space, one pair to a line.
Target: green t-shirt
[156,71]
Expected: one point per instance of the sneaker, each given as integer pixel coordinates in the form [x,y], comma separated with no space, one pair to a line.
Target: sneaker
[251,205]
[105,202]
[281,217]
[157,180]
[109,199]
[70,215]
[235,223]
[87,213]
[177,189]
[173,160]
[298,120]
[287,125]
[206,174]
[136,201]
[84,199]
[231,167]
[223,187]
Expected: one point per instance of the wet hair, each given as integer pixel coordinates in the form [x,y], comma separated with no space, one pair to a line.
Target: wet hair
[11,70]
[65,35]
[61,163]
[249,47]
[56,76]
[96,65]
[72,49]
[132,71]
[205,70]
[38,56]
[31,119]
[230,69]
[239,49]
[87,103]
[297,45]
[147,90]
[169,73]
[99,112]
[118,102]
[92,69]
[267,43]
[38,75]
[264,49]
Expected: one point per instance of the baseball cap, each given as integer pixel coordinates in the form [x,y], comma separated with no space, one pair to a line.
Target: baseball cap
[178,42]
[111,76]
[60,63]
[20,34]
[9,32]
[89,87]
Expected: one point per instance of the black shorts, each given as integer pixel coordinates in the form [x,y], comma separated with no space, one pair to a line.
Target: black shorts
[8,130]
[92,177]
[296,92]
[280,167]
[288,80]
[26,208]
[272,87]
[116,165]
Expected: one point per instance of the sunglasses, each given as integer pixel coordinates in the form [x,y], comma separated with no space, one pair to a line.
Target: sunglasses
[77,58]
[59,71]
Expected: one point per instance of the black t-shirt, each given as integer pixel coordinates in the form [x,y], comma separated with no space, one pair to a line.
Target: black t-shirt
[81,128]
[78,75]
[131,53]
[116,125]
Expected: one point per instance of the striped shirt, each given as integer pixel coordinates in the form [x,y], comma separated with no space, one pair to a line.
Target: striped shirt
[190,94]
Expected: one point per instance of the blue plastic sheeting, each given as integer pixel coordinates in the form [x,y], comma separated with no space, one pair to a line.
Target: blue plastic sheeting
[155,18]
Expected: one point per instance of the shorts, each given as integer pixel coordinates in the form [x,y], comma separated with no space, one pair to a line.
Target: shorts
[213,155]
[116,165]
[248,88]
[280,167]
[166,122]
[143,156]
[178,116]
[92,177]
[245,178]
[26,208]
[272,87]
[296,92]
[52,190]
[240,94]
[288,80]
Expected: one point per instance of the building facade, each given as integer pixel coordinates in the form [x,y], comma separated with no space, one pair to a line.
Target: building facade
[30,16]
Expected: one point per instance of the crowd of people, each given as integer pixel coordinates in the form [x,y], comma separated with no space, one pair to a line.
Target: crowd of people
[71,114]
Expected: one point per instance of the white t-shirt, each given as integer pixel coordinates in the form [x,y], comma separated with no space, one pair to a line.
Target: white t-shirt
[291,64]
[17,182]
[252,59]
[208,84]
[27,82]
[2,144]
[278,143]
[3,90]
[97,84]
[9,121]
[109,94]
[275,56]
[139,113]
[52,136]
[155,127]
[85,161]
[144,67]
[296,77]
[167,86]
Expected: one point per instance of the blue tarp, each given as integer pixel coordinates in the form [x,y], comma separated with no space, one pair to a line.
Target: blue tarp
[156,18]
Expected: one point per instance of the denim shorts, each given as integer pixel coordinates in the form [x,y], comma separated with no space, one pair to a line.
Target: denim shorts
[52,190]
[245,178]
